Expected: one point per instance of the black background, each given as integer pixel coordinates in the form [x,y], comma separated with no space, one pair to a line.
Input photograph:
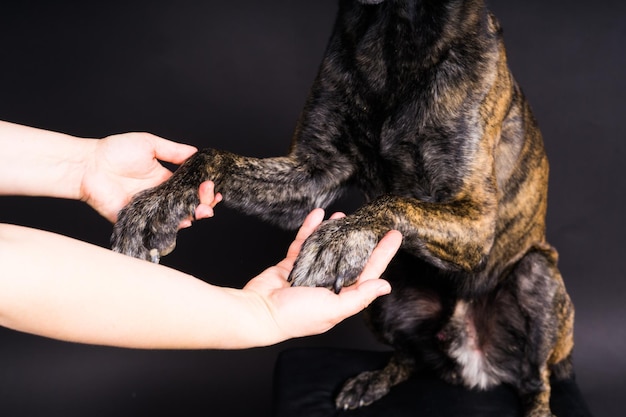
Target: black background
[234,75]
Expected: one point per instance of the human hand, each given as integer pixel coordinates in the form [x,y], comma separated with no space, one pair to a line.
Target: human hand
[208,200]
[121,165]
[303,311]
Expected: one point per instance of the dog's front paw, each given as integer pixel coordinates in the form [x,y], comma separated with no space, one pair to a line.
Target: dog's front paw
[147,226]
[362,390]
[334,255]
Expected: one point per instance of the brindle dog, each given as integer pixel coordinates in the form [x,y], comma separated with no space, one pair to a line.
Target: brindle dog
[414,105]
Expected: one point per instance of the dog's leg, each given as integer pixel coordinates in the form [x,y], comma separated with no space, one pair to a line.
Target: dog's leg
[282,190]
[549,329]
[370,386]
[519,334]
[409,319]
[454,236]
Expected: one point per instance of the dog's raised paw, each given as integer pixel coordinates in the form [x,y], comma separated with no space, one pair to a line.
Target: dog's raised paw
[147,226]
[334,255]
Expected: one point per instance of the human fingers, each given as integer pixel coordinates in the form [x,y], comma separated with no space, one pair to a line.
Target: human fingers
[356,298]
[203,211]
[208,200]
[326,309]
[170,151]
[369,286]
[207,194]
[381,256]
[311,222]
[337,215]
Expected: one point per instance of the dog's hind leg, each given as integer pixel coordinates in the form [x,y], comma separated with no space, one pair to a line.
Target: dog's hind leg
[549,315]
[409,319]
[369,386]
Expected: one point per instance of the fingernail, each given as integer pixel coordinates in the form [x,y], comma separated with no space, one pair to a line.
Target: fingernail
[384,288]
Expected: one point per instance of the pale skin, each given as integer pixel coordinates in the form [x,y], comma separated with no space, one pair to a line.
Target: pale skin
[58,287]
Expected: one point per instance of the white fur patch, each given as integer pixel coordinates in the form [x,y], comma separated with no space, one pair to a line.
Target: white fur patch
[475,369]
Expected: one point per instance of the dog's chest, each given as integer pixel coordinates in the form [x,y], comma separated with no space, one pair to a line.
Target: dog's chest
[409,162]
[405,142]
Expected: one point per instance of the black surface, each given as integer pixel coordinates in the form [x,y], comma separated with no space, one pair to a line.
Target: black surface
[234,75]
[307,381]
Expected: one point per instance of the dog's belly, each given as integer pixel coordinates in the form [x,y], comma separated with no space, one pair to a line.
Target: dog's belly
[476,368]
[473,343]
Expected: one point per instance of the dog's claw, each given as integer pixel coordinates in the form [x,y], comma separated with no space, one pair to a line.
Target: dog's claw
[154,256]
[338,285]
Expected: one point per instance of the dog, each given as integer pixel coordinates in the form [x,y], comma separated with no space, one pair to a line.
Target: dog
[414,105]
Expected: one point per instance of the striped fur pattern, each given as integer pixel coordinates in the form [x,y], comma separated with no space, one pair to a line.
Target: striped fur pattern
[414,105]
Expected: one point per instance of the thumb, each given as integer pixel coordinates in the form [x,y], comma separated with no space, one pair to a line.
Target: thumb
[356,299]
[381,256]
[173,152]
[373,288]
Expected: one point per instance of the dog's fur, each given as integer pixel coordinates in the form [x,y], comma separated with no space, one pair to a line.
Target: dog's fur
[414,105]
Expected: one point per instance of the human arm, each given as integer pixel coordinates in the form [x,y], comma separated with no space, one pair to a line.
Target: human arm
[62,288]
[105,173]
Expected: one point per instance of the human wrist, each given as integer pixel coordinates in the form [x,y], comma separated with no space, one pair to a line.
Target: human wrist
[258,320]
[61,164]
[84,162]
[39,162]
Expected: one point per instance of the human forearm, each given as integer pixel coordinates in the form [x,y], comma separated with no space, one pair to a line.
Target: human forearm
[105,173]
[65,289]
[58,287]
[38,162]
